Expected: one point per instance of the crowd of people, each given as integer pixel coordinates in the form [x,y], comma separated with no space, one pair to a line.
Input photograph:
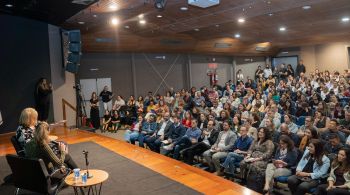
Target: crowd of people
[280,127]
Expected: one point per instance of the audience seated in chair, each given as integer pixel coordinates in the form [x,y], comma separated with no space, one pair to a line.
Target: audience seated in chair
[154,141]
[285,158]
[191,137]
[148,128]
[219,150]
[133,133]
[239,151]
[311,169]
[207,139]
[339,178]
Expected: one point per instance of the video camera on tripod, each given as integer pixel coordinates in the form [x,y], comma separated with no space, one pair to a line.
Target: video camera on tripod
[81,110]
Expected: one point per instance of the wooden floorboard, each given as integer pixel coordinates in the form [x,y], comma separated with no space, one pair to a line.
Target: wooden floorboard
[190,176]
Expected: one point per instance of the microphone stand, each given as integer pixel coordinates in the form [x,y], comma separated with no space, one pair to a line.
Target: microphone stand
[87,164]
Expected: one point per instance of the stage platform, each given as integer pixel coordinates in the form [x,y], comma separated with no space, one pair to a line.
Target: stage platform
[192,177]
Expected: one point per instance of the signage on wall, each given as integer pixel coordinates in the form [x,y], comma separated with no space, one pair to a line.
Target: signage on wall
[212,65]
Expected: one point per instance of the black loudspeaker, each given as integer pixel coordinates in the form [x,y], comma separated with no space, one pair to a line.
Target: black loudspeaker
[72,67]
[74,58]
[73,51]
[74,36]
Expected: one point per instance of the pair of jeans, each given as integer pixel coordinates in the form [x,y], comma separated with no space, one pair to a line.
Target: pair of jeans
[232,162]
[153,142]
[131,136]
[183,143]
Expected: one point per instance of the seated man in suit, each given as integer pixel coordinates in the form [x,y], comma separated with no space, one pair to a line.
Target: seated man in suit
[220,149]
[155,140]
[207,139]
[191,137]
[175,133]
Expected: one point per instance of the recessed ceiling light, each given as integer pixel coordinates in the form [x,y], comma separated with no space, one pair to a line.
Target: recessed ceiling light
[345,19]
[113,7]
[9,5]
[282,28]
[183,8]
[114,21]
[127,27]
[94,69]
[196,29]
[217,25]
[270,14]
[306,7]
[241,20]
[81,22]
[141,16]
[95,16]
[142,21]
[237,35]
[159,16]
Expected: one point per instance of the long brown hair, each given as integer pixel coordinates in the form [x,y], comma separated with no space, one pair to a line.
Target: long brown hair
[346,165]
[319,152]
[41,133]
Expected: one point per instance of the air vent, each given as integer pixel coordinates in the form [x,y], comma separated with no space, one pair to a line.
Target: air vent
[171,42]
[260,48]
[203,3]
[105,40]
[223,45]
[83,2]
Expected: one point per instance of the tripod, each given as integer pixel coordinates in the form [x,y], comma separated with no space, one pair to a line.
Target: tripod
[81,111]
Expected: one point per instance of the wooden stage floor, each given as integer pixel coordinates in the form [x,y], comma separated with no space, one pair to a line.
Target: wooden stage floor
[192,177]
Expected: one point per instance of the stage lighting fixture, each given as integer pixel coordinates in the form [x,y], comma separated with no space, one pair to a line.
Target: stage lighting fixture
[159,4]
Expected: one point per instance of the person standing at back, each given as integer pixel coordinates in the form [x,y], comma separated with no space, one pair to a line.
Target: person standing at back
[106,97]
[42,98]
[300,68]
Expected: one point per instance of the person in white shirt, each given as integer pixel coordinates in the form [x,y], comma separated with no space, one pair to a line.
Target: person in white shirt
[267,71]
[220,149]
[119,102]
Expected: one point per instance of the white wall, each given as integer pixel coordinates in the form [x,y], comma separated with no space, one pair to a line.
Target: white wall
[249,65]
[62,81]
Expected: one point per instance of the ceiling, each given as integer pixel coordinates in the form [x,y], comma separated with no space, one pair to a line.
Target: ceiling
[209,30]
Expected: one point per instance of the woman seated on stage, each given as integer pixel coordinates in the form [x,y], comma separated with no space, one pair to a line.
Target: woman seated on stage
[285,157]
[312,167]
[54,154]
[27,122]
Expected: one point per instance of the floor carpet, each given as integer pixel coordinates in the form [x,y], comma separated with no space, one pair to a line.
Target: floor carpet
[125,176]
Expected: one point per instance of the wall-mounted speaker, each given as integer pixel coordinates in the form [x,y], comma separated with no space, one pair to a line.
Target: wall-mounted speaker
[71,43]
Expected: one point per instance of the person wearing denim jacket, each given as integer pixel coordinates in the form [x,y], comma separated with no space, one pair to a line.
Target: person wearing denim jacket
[148,128]
[339,177]
[312,167]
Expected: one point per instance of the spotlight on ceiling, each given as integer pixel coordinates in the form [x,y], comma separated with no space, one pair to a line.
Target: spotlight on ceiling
[345,19]
[159,4]
[237,35]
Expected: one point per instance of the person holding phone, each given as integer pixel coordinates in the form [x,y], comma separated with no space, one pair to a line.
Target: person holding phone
[339,178]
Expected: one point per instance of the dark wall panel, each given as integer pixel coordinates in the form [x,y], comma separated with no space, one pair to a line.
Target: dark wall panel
[24,58]
[116,66]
